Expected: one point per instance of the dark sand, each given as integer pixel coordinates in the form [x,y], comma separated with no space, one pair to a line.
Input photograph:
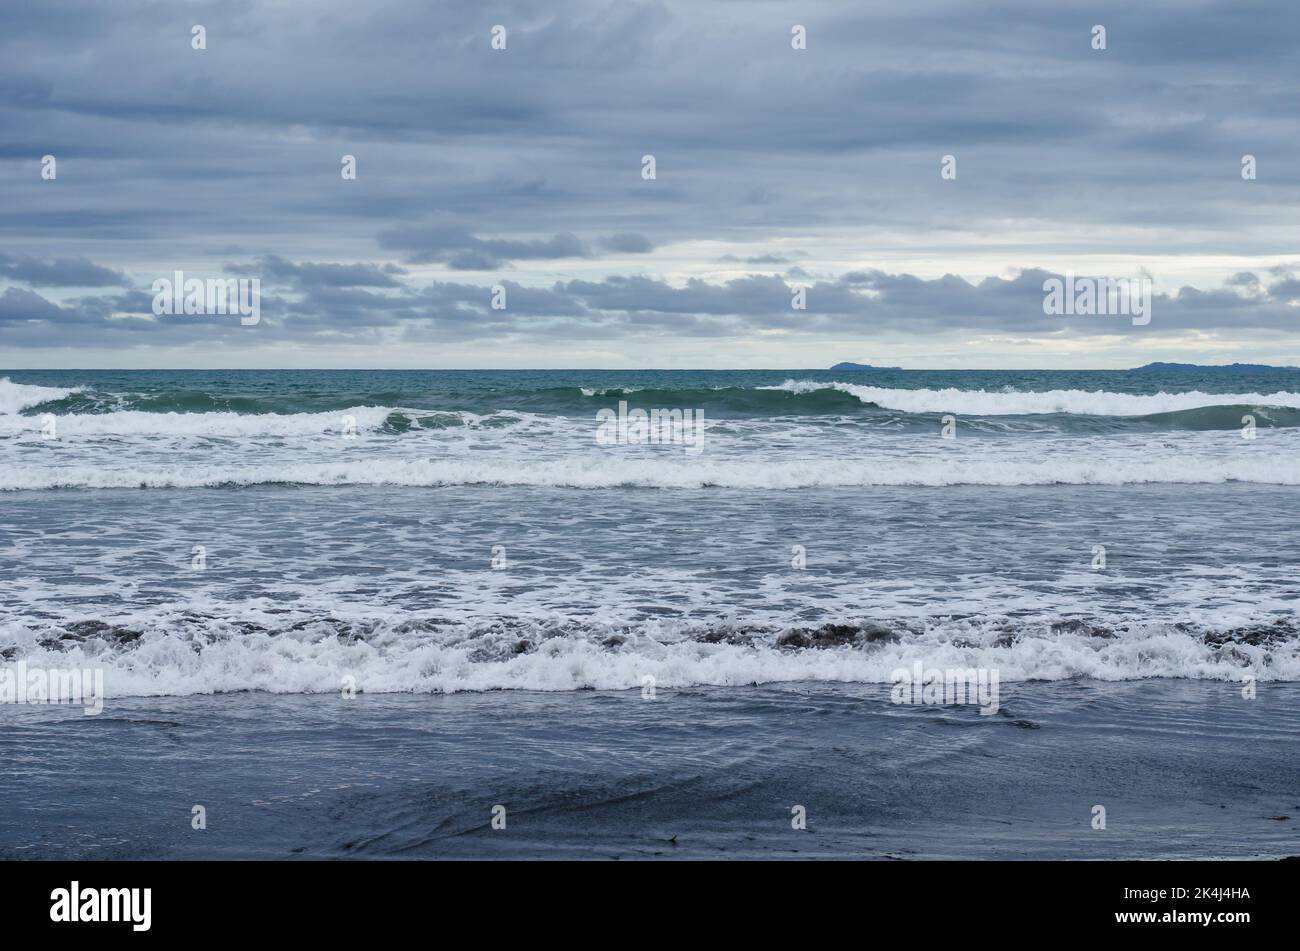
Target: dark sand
[1185,769]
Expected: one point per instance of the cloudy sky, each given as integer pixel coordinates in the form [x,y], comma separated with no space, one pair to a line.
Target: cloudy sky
[775,169]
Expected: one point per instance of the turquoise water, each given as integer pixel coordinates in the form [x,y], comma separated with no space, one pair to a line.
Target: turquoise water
[723,392]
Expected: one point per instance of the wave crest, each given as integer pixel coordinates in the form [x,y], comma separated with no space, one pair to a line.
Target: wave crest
[16,397]
[1018,403]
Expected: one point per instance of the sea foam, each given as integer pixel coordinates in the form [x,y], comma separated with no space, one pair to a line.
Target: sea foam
[1017,403]
[16,397]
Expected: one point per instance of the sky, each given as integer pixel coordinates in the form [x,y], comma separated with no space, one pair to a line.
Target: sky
[522,169]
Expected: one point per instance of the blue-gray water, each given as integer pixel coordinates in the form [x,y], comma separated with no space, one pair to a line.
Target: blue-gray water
[207,539]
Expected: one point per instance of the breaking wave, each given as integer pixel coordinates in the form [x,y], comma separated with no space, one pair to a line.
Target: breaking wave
[657,471]
[16,397]
[196,653]
[1012,403]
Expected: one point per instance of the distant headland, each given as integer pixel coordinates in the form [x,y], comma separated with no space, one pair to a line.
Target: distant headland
[1147,368]
[1220,367]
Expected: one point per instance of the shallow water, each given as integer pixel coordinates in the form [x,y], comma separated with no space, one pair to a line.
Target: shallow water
[394,587]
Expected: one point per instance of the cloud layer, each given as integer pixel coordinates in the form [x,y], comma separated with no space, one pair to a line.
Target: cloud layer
[522,167]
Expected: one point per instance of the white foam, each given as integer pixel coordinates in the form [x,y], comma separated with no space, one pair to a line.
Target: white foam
[1007,403]
[304,661]
[16,397]
[158,425]
[1081,467]
[609,390]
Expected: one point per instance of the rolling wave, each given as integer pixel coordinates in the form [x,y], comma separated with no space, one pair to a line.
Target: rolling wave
[562,401]
[16,397]
[193,411]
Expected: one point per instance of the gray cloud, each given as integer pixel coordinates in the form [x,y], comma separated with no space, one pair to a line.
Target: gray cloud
[529,159]
[62,272]
[308,275]
[306,302]
[628,243]
[463,251]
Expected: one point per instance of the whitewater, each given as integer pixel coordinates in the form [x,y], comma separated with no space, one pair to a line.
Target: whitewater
[350,524]
[773,436]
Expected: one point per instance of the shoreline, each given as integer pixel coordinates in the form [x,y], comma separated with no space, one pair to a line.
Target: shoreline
[1183,769]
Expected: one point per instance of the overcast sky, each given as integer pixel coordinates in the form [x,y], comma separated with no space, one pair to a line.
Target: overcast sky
[776,168]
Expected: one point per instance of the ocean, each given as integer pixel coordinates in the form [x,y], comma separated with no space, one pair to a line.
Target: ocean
[357,610]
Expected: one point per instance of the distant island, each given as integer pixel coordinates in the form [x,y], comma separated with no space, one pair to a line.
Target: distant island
[1157,367]
[859,366]
[1223,367]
